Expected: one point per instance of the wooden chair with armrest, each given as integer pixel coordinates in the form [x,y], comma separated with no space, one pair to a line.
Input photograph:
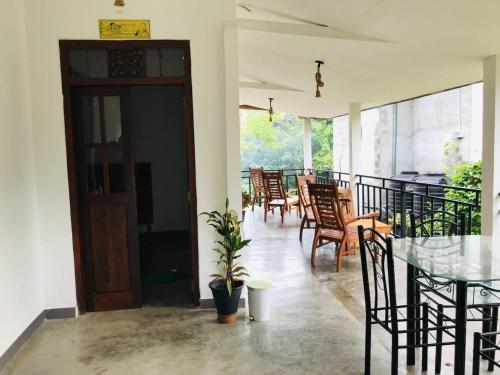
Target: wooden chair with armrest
[259,193]
[305,202]
[366,220]
[332,225]
[276,197]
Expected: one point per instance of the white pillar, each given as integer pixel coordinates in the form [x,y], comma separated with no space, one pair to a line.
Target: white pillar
[354,142]
[490,201]
[307,143]
[233,173]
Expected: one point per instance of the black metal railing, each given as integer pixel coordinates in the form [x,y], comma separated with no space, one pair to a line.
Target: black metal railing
[395,199]
[288,178]
[327,176]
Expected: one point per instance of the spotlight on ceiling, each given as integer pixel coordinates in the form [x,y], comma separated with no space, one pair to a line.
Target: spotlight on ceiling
[319,82]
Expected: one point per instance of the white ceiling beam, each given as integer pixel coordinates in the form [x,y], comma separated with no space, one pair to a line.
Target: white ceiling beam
[266,86]
[302,29]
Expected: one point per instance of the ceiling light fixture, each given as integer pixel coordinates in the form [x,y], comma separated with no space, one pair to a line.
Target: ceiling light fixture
[119,3]
[319,82]
[271,111]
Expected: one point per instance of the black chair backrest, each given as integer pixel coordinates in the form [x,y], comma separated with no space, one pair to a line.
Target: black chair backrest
[379,284]
[437,223]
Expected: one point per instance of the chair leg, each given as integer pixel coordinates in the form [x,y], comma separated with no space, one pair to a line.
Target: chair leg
[302,224]
[394,354]
[265,212]
[417,313]
[475,354]
[253,202]
[425,335]
[314,247]
[340,252]
[439,339]
[493,338]
[368,344]
[486,326]
[282,211]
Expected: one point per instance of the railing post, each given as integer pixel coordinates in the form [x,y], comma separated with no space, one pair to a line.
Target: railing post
[403,210]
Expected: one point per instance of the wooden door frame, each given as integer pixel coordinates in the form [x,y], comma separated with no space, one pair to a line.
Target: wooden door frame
[67,84]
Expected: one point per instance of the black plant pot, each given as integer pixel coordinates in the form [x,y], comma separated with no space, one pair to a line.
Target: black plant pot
[227,305]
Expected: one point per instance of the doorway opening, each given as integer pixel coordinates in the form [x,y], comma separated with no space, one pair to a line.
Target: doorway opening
[159,152]
[130,149]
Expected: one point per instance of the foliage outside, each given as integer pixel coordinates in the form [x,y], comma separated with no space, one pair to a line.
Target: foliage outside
[279,144]
[322,144]
[246,199]
[466,175]
[228,248]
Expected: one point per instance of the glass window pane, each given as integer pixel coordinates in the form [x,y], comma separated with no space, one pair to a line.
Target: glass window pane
[93,163]
[112,118]
[91,119]
[116,170]
[90,63]
[153,62]
[165,62]
[172,62]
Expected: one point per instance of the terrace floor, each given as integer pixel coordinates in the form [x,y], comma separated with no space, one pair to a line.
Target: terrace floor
[317,325]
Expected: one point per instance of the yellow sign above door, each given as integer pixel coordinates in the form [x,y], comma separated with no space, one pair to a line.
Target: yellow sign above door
[124,29]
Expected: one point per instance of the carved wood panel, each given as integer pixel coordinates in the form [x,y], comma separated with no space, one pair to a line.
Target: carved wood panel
[127,63]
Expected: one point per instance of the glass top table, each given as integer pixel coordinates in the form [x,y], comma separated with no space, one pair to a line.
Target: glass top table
[464,260]
[458,258]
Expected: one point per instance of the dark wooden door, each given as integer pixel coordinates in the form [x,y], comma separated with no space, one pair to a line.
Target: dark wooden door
[107,198]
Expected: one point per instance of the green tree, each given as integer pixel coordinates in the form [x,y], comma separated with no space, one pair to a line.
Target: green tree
[271,145]
[322,144]
[466,175]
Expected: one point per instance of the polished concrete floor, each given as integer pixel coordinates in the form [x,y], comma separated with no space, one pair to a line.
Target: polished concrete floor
[317,325]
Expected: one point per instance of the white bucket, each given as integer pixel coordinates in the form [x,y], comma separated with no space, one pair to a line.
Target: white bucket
[259,300]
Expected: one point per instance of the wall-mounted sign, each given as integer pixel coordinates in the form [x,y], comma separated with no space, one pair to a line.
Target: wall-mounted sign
[124,29]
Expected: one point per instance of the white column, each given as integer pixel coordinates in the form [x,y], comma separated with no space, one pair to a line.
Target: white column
[233,173]
[354,142]
[490,201]
[307,143]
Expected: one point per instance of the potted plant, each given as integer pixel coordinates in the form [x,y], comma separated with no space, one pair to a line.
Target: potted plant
[227,285]
[246,199]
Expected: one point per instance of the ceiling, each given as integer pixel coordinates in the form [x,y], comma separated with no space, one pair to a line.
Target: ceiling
[375,51]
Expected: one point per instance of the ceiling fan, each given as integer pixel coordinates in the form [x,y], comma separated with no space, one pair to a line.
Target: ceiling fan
[252,108]
[250,7]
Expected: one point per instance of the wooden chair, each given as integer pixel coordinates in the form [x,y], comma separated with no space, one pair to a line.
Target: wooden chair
[366,220]
[259,192]
[276,197]
[305,202]
[331,223]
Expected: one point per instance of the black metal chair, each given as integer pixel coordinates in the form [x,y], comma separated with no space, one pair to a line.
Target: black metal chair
[437,223]
[379,284]
[443,223]
[489,346]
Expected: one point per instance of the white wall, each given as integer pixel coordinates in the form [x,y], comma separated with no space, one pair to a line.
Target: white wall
[20,287]
[199,21]
[424,126]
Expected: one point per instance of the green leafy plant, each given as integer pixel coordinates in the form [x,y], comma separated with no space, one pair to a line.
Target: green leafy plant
[466,175]
[246,199]
[228,248]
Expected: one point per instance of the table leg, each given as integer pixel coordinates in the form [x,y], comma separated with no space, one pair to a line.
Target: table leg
[410,313]
[460,332]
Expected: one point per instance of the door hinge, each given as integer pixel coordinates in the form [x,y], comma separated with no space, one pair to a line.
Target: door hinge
[189,196]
